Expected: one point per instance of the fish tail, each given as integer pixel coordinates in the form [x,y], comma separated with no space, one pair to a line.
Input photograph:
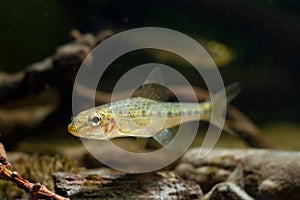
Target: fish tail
[218,113]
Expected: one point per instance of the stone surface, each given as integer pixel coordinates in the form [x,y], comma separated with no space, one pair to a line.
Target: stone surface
[110,184]
[263,174]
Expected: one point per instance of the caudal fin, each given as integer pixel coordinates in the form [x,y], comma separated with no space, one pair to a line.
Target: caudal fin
[219,102]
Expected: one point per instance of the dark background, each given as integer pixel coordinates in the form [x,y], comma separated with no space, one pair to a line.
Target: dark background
[263,34]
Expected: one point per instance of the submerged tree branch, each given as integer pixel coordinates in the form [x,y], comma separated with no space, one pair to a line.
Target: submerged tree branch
[263,174]
[110,184]
[34,190]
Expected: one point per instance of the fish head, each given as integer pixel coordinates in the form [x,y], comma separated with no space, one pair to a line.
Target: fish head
[94,124]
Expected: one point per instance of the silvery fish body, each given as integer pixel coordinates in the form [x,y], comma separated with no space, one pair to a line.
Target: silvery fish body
[138,117]
[142,117]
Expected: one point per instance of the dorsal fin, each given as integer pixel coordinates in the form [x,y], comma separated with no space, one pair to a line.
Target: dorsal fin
[153,87]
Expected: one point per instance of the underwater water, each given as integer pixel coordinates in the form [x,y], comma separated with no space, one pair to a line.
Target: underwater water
[254,43]
[46,46]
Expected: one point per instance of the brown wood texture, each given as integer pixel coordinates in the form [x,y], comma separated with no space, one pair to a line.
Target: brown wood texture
[264,174]
[108,184]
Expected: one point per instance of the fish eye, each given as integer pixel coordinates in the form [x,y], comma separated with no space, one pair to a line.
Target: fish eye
[95,119]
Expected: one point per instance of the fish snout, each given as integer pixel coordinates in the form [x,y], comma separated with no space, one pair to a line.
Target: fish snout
[72,129]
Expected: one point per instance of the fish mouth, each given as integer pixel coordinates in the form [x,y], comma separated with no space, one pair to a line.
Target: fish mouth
[72,129]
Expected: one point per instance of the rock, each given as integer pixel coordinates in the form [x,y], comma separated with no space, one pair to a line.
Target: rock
[263,174]
[111,184]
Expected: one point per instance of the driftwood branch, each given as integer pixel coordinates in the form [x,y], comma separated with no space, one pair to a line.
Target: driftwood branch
[224,174]
[263,174]
[49,72]
[109,184]
[34,190]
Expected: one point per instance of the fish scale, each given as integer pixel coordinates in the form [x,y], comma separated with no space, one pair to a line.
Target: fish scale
[142,111]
